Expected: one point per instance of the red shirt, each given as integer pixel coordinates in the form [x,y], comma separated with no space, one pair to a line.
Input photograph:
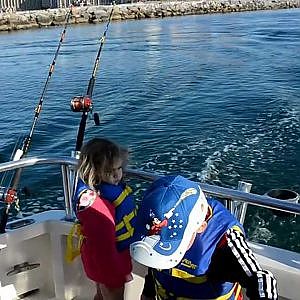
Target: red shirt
[102,262]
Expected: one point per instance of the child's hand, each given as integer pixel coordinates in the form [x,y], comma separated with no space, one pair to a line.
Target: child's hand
[129,277]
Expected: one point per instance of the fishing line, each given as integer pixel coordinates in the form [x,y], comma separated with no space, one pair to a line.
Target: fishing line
[10,196]
[84,104]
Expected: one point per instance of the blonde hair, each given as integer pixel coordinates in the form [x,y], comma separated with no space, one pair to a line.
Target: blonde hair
[98,157]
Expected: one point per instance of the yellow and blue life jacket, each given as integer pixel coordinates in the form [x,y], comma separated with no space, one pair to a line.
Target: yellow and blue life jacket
[125,215]
[125,211]
[188,280]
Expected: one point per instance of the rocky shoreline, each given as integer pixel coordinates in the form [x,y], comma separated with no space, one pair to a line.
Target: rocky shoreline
[140,10]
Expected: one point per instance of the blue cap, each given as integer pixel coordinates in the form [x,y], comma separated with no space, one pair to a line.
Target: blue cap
[172,210]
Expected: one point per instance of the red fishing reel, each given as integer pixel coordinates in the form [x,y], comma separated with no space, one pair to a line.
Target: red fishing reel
[81,104]
[84,104]
[10,196]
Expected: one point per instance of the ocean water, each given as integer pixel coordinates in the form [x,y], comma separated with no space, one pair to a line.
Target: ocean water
[215,98]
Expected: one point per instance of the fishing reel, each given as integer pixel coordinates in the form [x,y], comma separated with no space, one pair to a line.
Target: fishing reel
[81,104]
[84,104]
[8,196]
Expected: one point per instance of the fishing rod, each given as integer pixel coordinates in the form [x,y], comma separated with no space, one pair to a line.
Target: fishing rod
[84,104]
[10,195]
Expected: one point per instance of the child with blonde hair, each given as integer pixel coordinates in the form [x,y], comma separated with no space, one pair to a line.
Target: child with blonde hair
[106,210]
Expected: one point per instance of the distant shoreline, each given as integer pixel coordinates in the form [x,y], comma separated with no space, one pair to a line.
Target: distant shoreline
[95,14]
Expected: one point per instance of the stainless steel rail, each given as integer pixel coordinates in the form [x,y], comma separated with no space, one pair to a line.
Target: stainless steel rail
[68,164]
[31,161]
[67,168]
[231,194]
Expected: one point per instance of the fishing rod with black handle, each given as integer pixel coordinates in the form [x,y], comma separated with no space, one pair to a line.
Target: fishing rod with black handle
[10,196]
[84,104]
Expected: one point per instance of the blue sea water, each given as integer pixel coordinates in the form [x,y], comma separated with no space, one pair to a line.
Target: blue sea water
[215,98]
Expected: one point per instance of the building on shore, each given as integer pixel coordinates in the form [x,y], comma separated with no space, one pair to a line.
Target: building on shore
[22,5]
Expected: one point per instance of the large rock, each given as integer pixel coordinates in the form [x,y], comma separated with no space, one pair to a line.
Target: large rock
[44,19]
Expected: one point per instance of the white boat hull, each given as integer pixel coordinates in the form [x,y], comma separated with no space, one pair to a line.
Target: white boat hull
[42,245]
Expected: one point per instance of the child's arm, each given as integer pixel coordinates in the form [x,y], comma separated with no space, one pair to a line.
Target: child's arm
[234,261]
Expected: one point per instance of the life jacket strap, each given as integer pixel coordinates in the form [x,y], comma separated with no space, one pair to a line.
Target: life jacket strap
[74,241]
[126,222]
[122,196]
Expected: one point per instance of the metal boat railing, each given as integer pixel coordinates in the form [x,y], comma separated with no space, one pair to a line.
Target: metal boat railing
[232,197]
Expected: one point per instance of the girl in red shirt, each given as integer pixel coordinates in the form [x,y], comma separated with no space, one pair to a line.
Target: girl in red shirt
[102,161]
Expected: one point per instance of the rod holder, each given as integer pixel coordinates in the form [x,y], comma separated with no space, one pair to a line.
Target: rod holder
[239,209]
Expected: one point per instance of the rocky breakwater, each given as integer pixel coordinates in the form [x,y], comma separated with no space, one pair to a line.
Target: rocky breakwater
[141,10]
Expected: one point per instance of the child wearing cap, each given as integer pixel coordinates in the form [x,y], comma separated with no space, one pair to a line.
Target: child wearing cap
[195,248]
[106,211]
